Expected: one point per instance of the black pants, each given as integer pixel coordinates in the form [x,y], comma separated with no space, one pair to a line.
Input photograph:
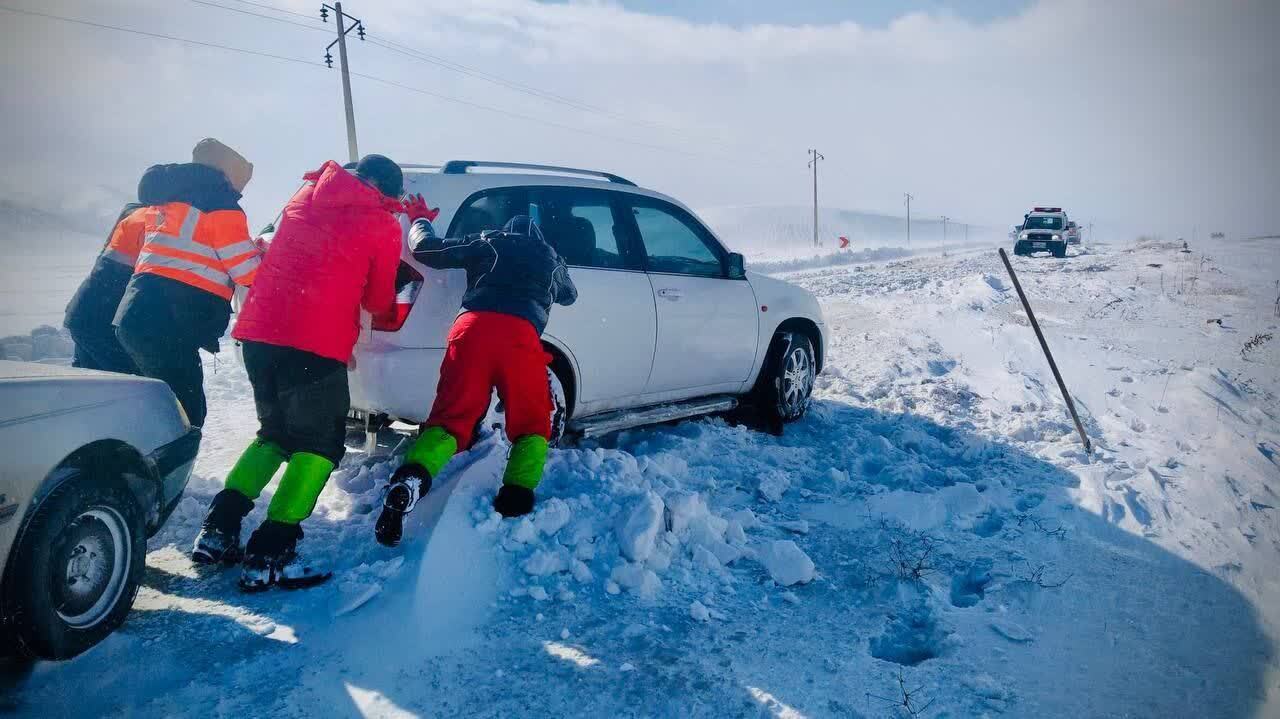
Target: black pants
[174,359]
[100,349]
[302,399]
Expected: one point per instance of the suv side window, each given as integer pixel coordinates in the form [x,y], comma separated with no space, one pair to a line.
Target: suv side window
[674,242]
[586,226]
[583,225]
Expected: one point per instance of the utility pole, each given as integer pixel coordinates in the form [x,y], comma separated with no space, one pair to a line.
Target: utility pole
[341,42]
[909,199]
[944,229]
[966,233]
[814,164]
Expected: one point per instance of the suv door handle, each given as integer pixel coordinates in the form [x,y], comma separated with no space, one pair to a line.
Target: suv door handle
[670,294]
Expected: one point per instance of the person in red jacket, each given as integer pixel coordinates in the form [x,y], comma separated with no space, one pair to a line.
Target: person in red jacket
[336,249]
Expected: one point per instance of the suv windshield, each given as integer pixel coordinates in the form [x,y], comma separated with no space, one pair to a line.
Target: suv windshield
[1047,222]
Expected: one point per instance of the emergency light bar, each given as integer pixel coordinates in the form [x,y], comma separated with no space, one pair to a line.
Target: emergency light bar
[1047,209]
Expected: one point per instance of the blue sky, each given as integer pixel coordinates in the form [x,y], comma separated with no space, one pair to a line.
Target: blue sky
[873,13]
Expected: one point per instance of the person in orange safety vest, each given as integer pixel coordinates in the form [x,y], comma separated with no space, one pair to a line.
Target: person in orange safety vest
[196,248]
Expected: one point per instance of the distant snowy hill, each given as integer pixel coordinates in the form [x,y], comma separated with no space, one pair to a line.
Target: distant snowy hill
[49,251]
[786,231]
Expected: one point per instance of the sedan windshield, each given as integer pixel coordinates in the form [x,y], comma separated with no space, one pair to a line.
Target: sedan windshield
[1048,222]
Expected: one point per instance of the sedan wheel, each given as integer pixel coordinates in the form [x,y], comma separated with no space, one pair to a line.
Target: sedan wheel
[75,568]
[94,558]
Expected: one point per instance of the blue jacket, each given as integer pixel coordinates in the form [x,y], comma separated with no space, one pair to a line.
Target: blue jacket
[513,271]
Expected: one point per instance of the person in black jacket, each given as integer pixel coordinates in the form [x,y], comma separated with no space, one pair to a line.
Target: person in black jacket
[92,308]
[513,278]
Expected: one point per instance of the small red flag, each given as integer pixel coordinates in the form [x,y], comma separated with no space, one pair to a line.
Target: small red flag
[844,242]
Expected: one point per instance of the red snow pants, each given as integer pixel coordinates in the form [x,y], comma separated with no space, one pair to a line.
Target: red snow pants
[490,350]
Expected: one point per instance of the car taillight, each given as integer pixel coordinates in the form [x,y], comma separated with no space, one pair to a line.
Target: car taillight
[408,285]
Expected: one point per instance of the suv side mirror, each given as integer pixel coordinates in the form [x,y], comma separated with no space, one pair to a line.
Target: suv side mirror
[736,266]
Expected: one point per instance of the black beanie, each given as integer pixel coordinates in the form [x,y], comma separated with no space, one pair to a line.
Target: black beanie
[383,173]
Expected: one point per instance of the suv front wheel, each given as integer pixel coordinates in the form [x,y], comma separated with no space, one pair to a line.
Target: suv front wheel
[76,569]
[785,386]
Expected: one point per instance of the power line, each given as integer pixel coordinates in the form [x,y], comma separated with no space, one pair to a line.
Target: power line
[374,78]
[286,21]
[161,36]
[529,118]
[265,6]
[536,92]
[475,73]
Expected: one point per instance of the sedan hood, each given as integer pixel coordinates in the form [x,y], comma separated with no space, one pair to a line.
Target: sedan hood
[29,390]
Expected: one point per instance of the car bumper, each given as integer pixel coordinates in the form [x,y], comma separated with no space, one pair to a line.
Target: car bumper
[398,382]
[1031,246]
[173,463]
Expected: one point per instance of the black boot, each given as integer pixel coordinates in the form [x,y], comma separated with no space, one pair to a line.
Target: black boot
[409,484]
[513,501]
[271,557]
[219,538]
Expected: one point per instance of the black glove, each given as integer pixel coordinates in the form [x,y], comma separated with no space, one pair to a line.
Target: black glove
[513,501]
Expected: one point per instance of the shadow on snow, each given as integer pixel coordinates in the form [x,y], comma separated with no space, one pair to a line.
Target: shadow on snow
[1135,628]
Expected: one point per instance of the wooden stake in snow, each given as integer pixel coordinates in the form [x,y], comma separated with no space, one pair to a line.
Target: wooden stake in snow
[1062,386]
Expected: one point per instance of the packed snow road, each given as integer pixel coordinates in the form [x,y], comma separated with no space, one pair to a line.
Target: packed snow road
[931,535]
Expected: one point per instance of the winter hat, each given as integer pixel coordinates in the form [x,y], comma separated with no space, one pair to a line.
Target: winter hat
[220,157]
[382,173]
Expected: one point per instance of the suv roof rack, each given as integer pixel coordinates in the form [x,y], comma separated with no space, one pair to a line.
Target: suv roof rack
[403,166]
[460,167]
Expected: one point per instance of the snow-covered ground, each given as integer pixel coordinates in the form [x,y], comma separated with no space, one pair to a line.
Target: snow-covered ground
[932,524]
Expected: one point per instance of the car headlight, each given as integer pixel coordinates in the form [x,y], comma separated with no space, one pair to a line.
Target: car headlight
[1057,237]
[1023,236]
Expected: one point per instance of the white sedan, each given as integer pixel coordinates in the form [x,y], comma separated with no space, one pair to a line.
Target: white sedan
[93,465]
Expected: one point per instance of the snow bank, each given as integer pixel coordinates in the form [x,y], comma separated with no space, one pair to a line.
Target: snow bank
[786,562]
[43,344]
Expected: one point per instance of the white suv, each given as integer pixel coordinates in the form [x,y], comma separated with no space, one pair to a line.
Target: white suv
[667,325]
[1044,229]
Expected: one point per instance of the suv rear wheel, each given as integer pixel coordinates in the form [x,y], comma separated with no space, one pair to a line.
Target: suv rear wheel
[75,570]
[496,418]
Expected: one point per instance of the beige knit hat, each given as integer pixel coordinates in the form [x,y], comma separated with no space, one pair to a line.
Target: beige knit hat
[220,157]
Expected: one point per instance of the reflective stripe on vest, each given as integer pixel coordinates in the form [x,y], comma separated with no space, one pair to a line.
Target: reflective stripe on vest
[181,258]
[250,264]
[123,258]
[232,251]
[149,260]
